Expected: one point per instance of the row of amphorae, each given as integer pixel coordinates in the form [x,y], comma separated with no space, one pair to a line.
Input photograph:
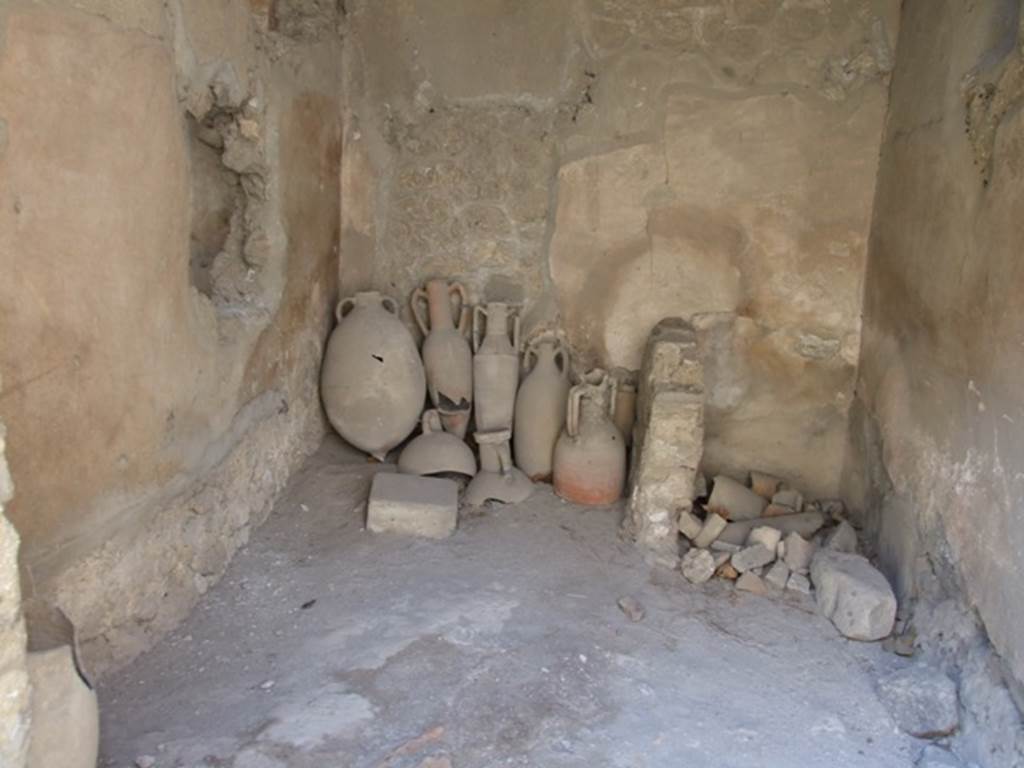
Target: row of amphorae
[530,422]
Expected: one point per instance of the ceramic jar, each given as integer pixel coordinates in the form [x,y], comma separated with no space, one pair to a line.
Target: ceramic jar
[446,355]
[497,479]
[372,382]
[436,451]
[495,365]
[590,455]
[540,406]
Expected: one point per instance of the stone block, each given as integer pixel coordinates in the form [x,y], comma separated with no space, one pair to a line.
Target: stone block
[766,535]
[922,700]
[749,558]
[853,594]
[799,583]
[751,582]
[734,500]
[713,527]
[799,552]
[689,524]
[698,566]
[417,506]
[804,523]
[842,538]
[778,575]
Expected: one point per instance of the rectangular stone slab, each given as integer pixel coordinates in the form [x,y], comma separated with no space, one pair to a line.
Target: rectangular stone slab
[804,523]
[413,505]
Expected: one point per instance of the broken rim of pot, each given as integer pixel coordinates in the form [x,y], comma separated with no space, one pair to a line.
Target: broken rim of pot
[435,452]
[509,488]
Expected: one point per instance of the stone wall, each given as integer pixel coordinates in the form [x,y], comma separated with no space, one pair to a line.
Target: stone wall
[937,449]
[609,163]
[168,232]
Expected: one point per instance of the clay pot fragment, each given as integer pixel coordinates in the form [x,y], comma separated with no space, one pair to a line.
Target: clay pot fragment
[447,358]
[498,479]
[372,382]
[436,451]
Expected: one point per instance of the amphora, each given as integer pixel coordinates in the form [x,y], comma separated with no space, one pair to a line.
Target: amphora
[540,406]
[495,365]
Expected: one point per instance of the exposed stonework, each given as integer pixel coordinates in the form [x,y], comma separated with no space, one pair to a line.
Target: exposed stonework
[14,685]
[157,406]
[647,159]
[669,439]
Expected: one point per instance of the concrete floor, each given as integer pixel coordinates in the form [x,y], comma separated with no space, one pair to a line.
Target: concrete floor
[328,646]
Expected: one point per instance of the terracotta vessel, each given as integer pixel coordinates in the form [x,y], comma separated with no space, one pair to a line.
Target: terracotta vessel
[540,406]
[436,451]
[495,365]
[625,402]
[65,729]
[446,354]
[590,455]
[497,479]
[372,382]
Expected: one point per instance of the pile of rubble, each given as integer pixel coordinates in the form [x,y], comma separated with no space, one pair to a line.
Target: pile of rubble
[767,540]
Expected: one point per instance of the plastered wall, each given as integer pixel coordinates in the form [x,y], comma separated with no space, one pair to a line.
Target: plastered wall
[937,451]
[159,367]
[607,164]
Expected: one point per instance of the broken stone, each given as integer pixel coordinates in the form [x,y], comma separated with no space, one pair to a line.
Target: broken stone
[902,645]
[775,510]
[413,505]
[789,498]
[632,607]
[752,557]
[853,594]
[778,575]
[749,582]
[937,757]
[698,566]
[724,546]
[833,509]
[145,761]
[799,583]
[922,700]
[726,571]
[689,524]
[734,500]
[842,539]
[799,552]
[804,523]
[721,558]
[766,535]
[764,485]
[713,526]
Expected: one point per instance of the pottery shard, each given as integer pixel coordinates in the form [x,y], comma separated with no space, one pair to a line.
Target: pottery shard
[752,557]
[689,524]
[922,700]
[417,506]
[804,523]
[853,594]
[734,500]
[712,528]
[799,552]
[764,485]
[698,566]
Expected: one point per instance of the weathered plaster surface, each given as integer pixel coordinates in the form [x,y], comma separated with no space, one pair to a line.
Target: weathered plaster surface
[646,159]
[152,418]
[14,685]
[937,446]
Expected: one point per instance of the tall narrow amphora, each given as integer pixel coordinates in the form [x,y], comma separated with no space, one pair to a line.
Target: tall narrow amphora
[495,365]
[372,381]
[540,406]
[442,314]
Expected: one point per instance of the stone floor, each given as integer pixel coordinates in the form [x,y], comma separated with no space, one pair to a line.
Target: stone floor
[328,646]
